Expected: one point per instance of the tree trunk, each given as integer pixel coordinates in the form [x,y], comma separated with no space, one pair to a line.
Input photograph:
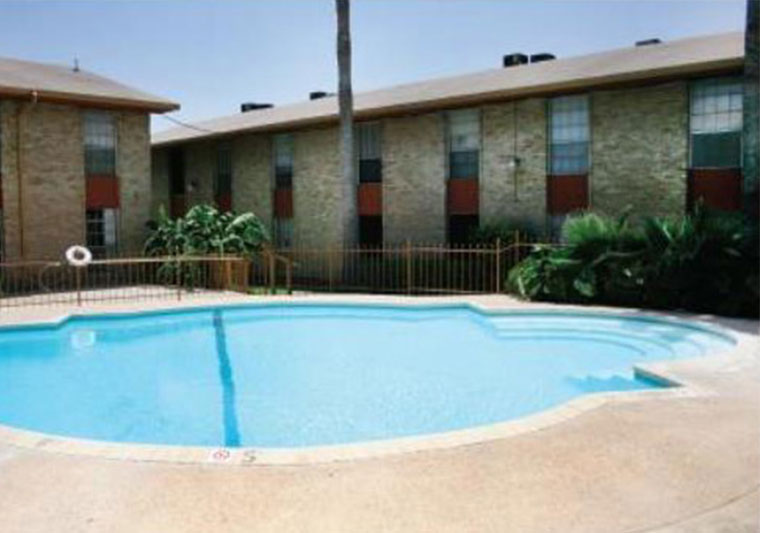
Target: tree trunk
[346,108]
[751,143]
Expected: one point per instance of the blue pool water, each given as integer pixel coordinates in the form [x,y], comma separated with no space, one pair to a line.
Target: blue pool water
[290,375]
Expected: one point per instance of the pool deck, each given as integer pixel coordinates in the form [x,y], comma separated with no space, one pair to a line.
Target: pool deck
[630,464]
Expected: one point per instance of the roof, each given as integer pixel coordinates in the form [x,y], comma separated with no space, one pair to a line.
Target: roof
[57,83]
[685,57]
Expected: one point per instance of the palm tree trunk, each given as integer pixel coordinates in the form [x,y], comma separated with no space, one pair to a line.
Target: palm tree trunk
[751,112]
[346,108]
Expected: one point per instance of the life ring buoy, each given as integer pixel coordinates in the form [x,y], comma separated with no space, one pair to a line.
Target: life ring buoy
[78,256]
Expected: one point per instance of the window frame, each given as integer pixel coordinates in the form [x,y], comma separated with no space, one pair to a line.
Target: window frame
[370,169]
[223,175]
[553,143]
[473,167]
[108,142]
[283,174]
[101,230]
[700,85]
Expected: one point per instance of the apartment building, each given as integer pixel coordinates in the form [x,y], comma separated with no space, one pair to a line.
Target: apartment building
[652,128]
[74,161]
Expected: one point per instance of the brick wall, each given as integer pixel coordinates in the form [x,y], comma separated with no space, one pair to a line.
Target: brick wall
[252,176]
[133,169]
[414,179]
[317,193]
[53,180]
[639,149]
[514,195]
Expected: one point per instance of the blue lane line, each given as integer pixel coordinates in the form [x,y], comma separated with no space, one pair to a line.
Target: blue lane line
[229,410]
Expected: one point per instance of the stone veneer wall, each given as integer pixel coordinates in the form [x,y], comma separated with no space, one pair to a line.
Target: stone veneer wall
[252,176]
[9,180]
[133,169]
[414,179]
[200,169]
[53,180]
[514,195]
[639,149]
[318,201]
[53,187]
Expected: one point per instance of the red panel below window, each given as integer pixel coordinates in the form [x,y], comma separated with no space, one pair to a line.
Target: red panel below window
[565,194]
[177,205]
[102,192]
[719,188]
[370,199]
[283,203]
[224,202]
[462,197]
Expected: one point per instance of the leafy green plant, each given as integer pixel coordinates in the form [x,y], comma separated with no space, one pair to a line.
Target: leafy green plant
[205,230]
[704,262]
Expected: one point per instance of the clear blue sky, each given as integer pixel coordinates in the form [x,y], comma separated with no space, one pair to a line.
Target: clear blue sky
[212,55]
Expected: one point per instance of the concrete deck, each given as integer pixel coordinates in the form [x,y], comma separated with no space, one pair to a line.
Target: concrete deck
[679,464]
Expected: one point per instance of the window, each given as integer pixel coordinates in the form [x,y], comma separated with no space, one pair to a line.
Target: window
[370,153]
[370,230]
[283,232]
[464,144]
[716,123]
[99,143]
[569,135]
[102,231]
[461,228]
[223,182]
[176,171]
[283,161]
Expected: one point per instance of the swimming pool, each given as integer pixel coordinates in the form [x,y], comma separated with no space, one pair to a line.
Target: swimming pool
[296,375]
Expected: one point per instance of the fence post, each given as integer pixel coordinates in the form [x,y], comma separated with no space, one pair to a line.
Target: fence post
[179,279]
[272,281]
[289,277]
[78,270]
[330,253]
[408,250]
[498,265]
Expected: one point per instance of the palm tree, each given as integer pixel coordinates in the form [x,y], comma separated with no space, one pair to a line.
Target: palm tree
[751,111]
[346,108]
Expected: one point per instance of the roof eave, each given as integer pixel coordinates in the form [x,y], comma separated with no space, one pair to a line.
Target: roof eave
[643,76]
[90,100]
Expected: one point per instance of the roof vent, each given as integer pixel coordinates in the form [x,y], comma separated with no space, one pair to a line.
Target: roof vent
[253,106]
[512,60]
[538,58]
[316,95]
[648,42]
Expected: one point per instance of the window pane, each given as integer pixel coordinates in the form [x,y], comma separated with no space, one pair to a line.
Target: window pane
[569,135]
[283,160]
[223,171]
[716,150]
[464,165]
[370,171]
[99,143]
[368,136]
[464,130]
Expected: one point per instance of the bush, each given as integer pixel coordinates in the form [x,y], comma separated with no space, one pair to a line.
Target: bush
[205,230]
[705,262]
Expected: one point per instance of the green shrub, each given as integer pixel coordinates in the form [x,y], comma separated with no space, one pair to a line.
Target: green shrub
[205,230]
[704,262]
